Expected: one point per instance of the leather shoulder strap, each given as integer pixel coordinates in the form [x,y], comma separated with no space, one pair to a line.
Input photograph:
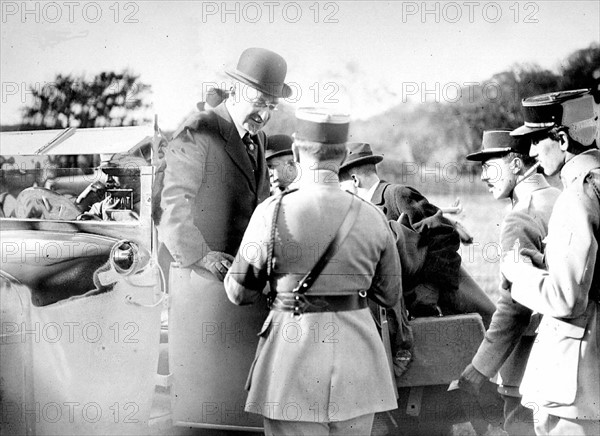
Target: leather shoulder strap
[349,220]
[271,247]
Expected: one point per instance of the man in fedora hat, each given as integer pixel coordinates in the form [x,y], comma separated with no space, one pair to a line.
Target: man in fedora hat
[280,161]
[331,374]
[510,173]
[440,269]
[216,172]
[562,378]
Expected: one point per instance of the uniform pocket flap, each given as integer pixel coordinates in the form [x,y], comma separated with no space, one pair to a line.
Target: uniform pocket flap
[568,329]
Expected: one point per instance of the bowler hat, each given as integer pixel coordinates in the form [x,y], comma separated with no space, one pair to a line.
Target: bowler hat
[359,153]
[572,109]
[263,70]
[321,125]
[498,143]
[278,145]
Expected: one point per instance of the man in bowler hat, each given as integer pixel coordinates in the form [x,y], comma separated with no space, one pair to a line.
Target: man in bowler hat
[216,171]
[280,161]
[331,375]
[510,173]
[562,379]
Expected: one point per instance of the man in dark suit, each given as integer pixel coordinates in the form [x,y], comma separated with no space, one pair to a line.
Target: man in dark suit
[216,172]
[433,281]
[439,275]
[508,171]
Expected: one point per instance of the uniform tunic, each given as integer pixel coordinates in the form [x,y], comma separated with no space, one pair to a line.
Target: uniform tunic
[508,340]
[563,373]
[325,366]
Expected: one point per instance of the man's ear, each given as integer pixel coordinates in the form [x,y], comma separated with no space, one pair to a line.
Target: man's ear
[563,141]
[516,165]
[355,180]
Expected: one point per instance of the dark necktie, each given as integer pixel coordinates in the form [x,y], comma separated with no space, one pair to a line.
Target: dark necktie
[251,146]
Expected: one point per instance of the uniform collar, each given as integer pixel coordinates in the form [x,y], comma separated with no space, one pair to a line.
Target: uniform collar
[523,190]
[578,165]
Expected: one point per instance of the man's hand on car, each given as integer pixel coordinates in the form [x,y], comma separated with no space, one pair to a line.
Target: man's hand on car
[217,262]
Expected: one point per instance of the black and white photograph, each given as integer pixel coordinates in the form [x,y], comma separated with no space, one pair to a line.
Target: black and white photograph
[369,218]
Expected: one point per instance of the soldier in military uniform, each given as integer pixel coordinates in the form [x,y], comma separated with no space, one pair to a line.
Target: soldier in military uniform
[510,172]
[562,379]
[216,171]
[320,366]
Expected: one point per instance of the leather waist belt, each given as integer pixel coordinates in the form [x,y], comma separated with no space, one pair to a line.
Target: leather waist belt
[300,303]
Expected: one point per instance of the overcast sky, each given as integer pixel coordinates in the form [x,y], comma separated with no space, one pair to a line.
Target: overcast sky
[180,47]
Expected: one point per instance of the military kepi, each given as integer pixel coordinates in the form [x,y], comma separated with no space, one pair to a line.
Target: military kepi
[498,143]
[571,109]
[321,125]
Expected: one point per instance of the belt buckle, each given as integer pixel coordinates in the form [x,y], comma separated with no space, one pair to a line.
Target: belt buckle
[362,294]
[296,313]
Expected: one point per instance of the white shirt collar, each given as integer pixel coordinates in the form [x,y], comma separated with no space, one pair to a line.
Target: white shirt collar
[372,189]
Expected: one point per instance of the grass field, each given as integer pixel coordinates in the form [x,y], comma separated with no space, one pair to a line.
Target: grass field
[482,216]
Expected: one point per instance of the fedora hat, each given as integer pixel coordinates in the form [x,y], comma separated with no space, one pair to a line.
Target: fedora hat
[263,70]
[498,143]
[278,145]
[321,125]
[360,153]
[572,109]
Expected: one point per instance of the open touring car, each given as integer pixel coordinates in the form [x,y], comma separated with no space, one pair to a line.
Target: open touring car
[87,343]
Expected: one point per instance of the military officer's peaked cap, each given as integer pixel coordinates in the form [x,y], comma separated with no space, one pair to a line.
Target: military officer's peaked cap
[498,143]
[321,125]
[278,145]
[571,109]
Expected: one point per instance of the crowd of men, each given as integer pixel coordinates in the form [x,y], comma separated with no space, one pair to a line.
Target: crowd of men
[227,185]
